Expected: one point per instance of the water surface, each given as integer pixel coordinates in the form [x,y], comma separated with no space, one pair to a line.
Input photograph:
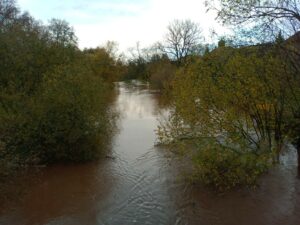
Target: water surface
[142,184]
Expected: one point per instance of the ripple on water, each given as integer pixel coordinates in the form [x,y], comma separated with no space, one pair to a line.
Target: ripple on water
[140,185]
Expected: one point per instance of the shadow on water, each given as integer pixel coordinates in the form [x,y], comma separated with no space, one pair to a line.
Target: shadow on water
[143,184]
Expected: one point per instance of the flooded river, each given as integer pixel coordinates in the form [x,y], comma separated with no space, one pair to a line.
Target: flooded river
[139,183]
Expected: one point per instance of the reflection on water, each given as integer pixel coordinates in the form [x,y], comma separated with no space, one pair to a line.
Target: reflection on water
[140,184]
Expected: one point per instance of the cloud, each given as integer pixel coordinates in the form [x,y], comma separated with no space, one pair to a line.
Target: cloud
[124,21]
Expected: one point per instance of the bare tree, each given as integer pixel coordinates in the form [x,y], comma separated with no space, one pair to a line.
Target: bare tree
[182,39]
[271,15]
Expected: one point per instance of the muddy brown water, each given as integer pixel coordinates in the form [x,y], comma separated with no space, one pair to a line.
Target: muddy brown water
[143,184]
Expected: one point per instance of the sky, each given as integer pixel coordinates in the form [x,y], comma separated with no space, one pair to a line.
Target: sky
[124,21]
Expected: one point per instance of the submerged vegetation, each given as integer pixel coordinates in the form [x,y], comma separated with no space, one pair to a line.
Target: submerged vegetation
[243,99]
[220,167]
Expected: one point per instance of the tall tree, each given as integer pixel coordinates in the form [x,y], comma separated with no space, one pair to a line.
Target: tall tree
[182,39]
[62,33]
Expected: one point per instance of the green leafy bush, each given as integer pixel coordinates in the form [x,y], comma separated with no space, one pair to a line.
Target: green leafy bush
[225,169]
[54,104]
[161,73]
[66,120]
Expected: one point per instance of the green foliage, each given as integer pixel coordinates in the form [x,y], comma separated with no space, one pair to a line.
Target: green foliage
[66,120]
[136,69]
[158,69]
[53,103]
[221,43]
[224,169]
[61,33]
[104,65]
[206,50]
[240,99]
[161,72]
[279,38]
[237,93]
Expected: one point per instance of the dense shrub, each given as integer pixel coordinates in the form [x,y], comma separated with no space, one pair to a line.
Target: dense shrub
[243,97]
[53,104]
[161,73]
[225,169]
[66,120]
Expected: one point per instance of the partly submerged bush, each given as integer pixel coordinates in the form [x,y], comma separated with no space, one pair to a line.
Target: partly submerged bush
[67,119]
[224,169]
[53,103]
